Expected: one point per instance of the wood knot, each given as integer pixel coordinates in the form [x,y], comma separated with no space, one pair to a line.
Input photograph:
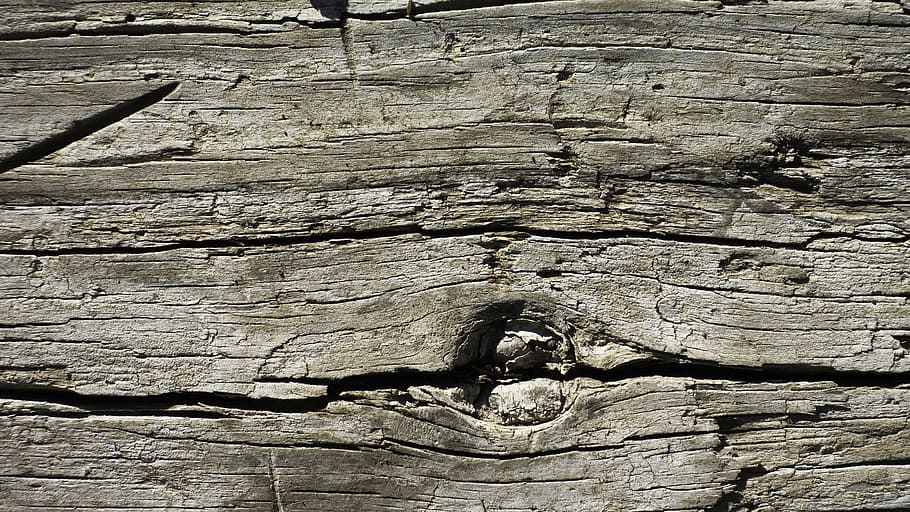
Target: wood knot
[522,345]
[521,366]
[527,402]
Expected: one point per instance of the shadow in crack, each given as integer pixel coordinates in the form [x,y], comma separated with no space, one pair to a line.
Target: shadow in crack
[332,9]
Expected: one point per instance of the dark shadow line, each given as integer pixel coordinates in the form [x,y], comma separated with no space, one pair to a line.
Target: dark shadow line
[168,404]
[668,368]
[85,127]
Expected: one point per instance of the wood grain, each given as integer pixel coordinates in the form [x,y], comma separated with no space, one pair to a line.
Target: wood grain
[220,319]
[450,255]
[643,444]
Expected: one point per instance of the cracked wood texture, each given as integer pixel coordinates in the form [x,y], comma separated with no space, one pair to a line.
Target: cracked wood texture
[625,255]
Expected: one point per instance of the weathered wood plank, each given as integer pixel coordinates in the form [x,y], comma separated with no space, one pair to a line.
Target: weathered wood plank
[643,444]
[32,20]
[219,319]
[717,125]
[449,255]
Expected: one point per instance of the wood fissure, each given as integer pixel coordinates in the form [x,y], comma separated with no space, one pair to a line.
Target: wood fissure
[504,230]
[344,389]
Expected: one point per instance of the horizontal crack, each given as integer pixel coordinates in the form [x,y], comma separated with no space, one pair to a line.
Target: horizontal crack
[465,5]
[496,456]
[670,369]
[155,405]
[334,12]
[164,404]
[369,234]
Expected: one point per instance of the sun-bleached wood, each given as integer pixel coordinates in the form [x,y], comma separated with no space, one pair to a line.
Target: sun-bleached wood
[445,255]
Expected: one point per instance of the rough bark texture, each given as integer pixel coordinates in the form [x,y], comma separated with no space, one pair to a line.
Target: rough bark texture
[569,255]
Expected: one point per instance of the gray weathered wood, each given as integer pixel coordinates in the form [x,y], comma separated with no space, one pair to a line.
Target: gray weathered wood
[369,131]
[644,444]
[444,255]
[221,319]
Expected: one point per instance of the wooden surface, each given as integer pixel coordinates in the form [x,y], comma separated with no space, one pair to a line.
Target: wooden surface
[416,255]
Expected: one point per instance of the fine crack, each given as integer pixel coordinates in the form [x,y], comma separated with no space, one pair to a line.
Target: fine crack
[277,503]
[487,229]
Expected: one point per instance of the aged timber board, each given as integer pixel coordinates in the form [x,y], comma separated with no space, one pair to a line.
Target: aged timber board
[408,255]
